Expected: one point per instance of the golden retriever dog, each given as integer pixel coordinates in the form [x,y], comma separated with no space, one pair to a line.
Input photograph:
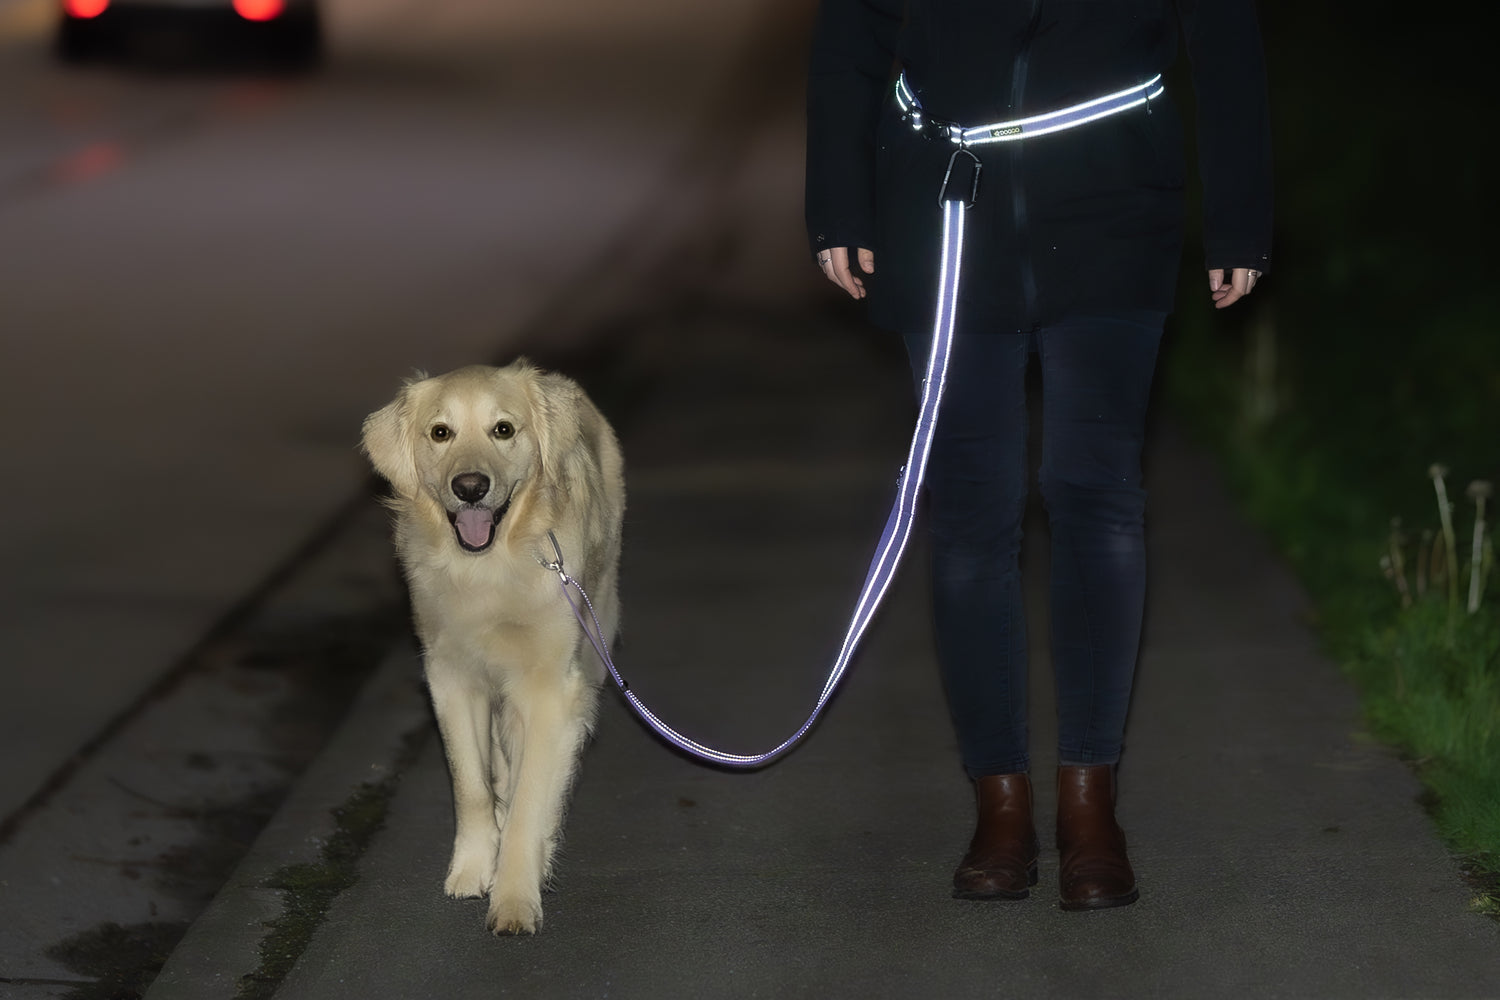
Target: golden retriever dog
[483,462]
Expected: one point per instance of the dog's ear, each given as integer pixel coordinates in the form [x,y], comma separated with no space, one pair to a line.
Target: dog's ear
[387,443]
[555,407]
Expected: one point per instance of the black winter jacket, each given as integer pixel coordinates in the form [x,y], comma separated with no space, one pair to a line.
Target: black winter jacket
[1086,218]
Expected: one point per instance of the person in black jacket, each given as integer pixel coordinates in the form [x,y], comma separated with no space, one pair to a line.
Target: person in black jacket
[1072,254]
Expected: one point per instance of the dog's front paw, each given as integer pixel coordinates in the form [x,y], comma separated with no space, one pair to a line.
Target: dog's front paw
[471,873]
[463,883]
[514,915]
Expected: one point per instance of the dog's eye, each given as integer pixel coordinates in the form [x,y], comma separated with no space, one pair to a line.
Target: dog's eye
[504,430]
[440,432]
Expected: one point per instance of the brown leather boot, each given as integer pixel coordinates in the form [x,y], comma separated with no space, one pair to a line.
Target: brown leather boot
[1001,863]
[1095,874]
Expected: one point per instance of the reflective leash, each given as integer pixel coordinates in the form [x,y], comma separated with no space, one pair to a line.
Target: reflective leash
[887,553]
[897,532]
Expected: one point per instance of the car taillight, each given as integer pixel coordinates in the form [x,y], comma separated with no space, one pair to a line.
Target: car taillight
[259,10]
[84,8]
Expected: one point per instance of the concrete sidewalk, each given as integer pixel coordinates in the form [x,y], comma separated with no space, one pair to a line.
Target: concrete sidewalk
[1279,851]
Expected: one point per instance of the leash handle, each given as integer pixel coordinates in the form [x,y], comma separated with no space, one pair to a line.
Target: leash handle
[888,552]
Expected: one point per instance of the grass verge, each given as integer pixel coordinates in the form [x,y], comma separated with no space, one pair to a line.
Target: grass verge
[1366,356]
[1428,673]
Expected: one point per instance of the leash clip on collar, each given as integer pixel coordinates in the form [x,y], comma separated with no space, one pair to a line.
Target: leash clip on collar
[556,565]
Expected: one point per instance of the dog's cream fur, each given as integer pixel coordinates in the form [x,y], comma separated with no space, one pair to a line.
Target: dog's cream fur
[514,682]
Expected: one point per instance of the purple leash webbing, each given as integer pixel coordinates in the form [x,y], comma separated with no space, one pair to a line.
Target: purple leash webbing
[888,551]
[898,525]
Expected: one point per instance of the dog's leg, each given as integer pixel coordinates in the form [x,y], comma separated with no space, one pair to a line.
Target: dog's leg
[463,716]
[552,720]
[500,766]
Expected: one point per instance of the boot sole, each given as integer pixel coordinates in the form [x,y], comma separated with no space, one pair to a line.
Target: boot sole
[1106,903]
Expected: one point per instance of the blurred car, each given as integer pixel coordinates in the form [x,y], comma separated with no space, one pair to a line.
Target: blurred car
[286,31]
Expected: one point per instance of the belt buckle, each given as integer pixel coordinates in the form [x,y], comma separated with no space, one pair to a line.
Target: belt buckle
[935,129]
[938,129]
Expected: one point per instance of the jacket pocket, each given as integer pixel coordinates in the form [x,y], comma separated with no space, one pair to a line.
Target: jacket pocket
[1157,140]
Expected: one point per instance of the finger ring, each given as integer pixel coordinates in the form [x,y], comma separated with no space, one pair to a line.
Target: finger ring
[1255,274]
[823,260]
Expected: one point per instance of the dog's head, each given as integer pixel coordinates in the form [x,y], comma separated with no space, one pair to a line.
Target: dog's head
[476,443]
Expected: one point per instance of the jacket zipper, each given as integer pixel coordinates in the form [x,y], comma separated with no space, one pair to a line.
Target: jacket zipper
[1017,188]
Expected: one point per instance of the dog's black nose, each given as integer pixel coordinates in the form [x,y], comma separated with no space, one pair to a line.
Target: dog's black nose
[470,487]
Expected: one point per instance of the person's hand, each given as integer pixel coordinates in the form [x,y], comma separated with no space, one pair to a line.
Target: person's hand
[1241,283]
[835,264]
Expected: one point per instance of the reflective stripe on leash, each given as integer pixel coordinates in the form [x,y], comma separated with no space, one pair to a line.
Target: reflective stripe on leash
[897,531]
[888,551]
[1141,95]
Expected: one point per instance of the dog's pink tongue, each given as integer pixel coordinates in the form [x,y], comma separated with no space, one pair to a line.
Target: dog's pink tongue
[474,526]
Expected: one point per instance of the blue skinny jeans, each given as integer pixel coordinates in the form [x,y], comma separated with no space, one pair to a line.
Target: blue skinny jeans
[1096,379]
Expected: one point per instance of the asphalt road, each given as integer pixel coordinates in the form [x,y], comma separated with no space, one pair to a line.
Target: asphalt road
[208,276]
[206,281]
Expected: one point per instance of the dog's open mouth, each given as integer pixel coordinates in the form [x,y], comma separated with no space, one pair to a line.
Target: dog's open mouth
[475,525]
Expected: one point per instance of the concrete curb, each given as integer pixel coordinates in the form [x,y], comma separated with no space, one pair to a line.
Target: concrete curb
[223,944]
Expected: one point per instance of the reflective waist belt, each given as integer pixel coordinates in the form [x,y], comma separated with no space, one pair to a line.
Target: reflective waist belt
[892,544]
[1023,128]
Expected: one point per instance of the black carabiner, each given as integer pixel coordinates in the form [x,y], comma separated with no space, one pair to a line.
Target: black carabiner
[948,175]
